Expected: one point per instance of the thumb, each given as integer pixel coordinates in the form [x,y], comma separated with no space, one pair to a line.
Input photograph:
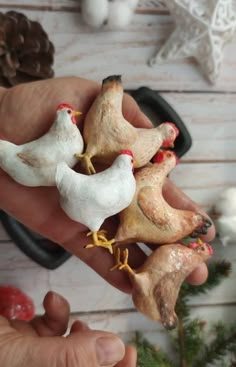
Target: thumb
[94,348]
[55,320]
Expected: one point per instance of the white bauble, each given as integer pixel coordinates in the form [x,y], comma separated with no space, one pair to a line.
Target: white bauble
[95,13]
[225,207]
[226,203]
[120,14]
[132,4]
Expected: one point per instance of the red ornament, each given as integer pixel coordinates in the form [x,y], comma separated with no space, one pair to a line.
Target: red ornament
[14,304]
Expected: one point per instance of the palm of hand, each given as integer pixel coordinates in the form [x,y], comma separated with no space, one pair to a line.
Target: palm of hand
[41,342]
[31,109]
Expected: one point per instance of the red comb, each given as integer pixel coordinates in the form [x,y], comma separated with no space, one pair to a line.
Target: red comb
[194,245]
[126,151]
[162,154]
[159,157]
[64,105]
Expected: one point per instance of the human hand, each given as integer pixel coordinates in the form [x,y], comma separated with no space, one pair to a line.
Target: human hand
[26,112]
[41,342]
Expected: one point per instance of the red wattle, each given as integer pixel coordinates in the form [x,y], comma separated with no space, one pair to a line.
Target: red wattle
[159,157]
[73,119]
[210,249]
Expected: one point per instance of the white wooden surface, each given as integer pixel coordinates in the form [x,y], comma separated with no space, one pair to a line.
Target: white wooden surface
[209,167]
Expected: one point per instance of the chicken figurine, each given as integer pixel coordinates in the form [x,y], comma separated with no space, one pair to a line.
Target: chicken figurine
[106,132]
[35,163]
[149,218]
[91,199]
[157,282]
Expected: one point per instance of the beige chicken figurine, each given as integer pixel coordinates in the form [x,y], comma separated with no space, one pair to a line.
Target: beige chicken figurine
[157,282]
[106,132]
[149,218]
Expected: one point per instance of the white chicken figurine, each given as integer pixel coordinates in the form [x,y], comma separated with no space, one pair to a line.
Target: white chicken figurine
[35,163]
[225,213]
[91,199]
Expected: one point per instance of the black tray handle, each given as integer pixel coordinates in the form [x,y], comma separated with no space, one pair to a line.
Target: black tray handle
[165,112]
[33,247]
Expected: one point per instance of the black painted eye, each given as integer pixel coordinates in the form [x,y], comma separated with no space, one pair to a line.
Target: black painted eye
[69,111]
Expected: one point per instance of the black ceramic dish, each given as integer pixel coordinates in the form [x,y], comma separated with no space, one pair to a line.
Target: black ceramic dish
[158,110]
[43,251]
[49,254]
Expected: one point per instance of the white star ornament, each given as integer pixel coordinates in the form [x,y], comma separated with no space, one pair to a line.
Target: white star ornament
[203,27]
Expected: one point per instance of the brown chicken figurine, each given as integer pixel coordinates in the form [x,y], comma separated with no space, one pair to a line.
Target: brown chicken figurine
[157,282]
[149,218]
[106,132]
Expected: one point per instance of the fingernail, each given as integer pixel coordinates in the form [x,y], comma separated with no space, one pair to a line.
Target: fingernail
[56,297]
[109,350]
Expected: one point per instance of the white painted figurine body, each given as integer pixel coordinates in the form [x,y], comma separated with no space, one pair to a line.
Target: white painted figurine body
[91,199]
[34,163]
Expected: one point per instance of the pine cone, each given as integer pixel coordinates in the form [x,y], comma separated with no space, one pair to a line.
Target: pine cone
[26,53]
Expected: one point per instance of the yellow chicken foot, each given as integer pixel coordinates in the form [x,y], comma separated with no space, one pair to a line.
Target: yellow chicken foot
[122,265]
[100,241]
[118,262]
[86,162]
[125,265]
[101,235]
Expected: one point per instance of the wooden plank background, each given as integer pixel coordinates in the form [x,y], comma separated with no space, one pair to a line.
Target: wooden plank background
[209,113]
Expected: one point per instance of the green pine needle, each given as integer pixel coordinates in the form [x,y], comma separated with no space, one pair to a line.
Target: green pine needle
[218,270]
[148,356]
[190,341]
[224,342]
[182,309]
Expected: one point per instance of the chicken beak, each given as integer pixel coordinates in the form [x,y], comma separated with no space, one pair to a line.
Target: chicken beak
[75,113]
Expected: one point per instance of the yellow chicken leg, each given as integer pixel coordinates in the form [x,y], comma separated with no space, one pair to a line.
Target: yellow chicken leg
[122,265]
[86,162]
[100,240]
[117,256]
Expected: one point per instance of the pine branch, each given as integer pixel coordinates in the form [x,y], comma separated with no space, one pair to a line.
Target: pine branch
[218,270]
[148,355]
[189,341]
[190,336]
[181,340]
[224,342]
[182,309]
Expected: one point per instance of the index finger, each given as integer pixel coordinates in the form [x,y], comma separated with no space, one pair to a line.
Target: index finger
[133,114]
[179,200]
